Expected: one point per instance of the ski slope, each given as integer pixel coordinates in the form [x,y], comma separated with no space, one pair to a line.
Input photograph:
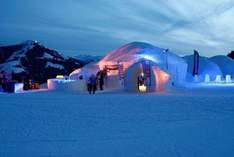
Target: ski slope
[184,123]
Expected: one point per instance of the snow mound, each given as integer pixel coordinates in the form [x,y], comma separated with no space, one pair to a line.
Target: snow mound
[142,53]
[225,63]
[162,58]
[137,50]
[206,67]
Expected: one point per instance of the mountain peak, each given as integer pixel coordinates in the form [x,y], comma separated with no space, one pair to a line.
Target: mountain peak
[30,59]
[30,42]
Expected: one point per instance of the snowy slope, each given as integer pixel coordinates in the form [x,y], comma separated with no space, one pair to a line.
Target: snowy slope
[32,59]
[56,66]
[179,124]
[12,66]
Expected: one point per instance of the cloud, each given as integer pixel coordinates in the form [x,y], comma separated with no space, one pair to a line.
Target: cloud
[96,26]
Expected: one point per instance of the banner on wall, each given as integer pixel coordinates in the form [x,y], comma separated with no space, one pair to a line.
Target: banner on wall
[195,63]
[147,72]
[121,71]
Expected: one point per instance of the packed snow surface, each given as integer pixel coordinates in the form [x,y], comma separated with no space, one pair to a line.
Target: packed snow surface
[185,123]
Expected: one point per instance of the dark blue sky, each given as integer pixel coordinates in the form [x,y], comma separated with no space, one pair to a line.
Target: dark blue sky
[97,26]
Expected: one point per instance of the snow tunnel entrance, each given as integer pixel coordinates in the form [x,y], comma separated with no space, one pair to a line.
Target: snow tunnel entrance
[154,79]
[139,77]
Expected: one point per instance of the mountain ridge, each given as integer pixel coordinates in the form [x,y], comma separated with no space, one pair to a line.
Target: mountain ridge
[32,60]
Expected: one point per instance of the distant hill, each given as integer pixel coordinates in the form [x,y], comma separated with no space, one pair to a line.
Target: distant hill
[32,60]
[88,58]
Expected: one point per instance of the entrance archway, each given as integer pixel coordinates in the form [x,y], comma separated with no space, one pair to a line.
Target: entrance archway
[137,69]
[155,78]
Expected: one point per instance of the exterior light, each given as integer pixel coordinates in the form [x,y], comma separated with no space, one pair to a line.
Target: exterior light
[148,57]
[218,79]
[59,77]
[228,79]
[142,88]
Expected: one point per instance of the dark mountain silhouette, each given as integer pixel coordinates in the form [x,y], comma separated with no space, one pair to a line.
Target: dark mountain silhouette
[231,54]
[32,60]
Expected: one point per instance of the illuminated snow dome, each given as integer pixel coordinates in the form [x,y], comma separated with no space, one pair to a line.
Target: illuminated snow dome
[206,69]
[225,63]
[136,58]
[85,72]
[135,51]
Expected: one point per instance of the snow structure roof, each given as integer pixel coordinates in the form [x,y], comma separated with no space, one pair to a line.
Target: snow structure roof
[86,71]
[136,51]
[206,67]
[225,64]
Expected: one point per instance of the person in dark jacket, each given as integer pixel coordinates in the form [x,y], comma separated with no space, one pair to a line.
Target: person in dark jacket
[101,75]
[89,88]
[92,84]
[101,82]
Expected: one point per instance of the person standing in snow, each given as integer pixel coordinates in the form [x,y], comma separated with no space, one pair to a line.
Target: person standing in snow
[91,84]
[101,75]
[88,82]
[101,82]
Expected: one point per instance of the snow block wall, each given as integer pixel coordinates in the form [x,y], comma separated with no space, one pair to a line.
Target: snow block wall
[206,67]
[225,63]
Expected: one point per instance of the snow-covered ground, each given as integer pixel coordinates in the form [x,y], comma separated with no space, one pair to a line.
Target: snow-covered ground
[188,123]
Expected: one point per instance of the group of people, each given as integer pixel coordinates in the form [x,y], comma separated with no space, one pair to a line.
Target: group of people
[95,80]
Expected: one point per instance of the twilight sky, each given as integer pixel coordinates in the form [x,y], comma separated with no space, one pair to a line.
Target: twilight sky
[98,26]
